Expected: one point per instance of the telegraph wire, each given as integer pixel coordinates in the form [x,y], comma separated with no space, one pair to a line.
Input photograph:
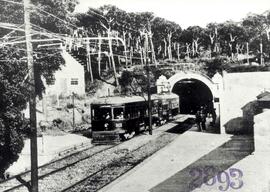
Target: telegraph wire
[13,2]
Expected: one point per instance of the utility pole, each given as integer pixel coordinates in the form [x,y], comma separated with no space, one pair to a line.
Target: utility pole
[32,100]
[148,84]
[73,112]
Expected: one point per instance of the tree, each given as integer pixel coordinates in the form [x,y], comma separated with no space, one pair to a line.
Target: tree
[213,65]
[125,82]
[231,35]
[213,40]
[256,26]
[14,84]
[12,100]
[135,81]
[167,32]
[194,36]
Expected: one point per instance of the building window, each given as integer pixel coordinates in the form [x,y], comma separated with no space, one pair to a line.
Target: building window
[74,81]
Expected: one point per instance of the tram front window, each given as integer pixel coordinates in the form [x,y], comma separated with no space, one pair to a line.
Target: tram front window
[118,113]
[102,113]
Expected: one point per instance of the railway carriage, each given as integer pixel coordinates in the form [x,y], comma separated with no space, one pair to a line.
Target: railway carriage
[123,116]
[168,107]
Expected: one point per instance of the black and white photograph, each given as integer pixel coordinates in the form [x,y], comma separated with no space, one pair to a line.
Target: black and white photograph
[134,96]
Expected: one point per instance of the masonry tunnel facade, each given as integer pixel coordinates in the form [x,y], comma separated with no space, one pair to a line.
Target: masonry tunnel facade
[193,94]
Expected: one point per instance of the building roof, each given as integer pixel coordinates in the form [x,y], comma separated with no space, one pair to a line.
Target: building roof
[263,94]
[265,98]
[250,106]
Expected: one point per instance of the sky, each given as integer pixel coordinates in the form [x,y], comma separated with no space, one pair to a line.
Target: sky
[187,12]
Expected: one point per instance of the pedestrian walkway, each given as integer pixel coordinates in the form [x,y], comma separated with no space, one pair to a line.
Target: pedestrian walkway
[193,161]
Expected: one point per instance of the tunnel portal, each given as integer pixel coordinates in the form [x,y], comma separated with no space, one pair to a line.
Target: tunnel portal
[193,94]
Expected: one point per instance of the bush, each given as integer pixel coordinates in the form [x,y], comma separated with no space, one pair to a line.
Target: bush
[247,68]
[217,64]
[91,88]
[70,105]
[11,139]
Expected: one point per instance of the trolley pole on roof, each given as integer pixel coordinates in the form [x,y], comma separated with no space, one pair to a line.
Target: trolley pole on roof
[148,83]
[32,100]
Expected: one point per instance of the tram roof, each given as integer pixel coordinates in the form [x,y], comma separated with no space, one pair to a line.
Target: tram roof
[166,96]
[117,100]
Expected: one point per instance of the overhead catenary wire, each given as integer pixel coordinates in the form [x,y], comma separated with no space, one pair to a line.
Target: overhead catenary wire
[52,15]
[8,35]
[46,12]
[64,21]
[116,22]
[13,2]
[60,36]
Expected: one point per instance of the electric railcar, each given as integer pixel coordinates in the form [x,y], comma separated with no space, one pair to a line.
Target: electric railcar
[119,117]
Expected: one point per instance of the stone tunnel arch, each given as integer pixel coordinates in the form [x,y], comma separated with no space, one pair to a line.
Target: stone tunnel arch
[194,90]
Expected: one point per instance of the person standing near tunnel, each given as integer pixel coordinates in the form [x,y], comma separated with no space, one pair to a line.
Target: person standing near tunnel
[214,116]
[203,115]
[211,111]
[198,120]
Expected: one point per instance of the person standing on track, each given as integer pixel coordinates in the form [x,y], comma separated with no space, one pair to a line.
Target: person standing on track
[198,120]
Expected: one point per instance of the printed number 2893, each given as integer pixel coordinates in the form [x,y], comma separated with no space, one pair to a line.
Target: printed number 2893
[231,178]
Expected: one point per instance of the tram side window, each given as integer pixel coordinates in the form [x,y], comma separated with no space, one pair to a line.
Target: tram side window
[174,104]
[142,111]
[165,107]
[131,111]
[118,113]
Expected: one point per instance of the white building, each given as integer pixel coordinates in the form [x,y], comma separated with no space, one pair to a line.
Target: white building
[70,78]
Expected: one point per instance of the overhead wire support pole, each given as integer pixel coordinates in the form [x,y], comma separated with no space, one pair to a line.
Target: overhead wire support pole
[32,100]
[148,84]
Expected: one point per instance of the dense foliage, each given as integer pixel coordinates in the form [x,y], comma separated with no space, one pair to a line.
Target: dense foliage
[14,82]
[227,39]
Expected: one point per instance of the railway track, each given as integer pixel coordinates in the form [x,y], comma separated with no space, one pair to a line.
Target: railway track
[83,148]
[103,177]
[50,168]
[92,168]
